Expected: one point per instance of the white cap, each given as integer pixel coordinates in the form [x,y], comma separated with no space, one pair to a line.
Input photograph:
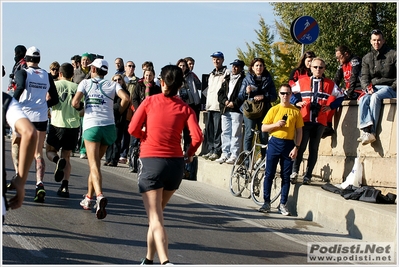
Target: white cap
[33,52]
[100,63]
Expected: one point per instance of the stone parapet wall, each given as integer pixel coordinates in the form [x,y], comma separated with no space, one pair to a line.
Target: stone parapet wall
[379,159]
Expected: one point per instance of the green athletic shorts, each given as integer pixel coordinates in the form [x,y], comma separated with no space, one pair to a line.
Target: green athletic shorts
[105,135]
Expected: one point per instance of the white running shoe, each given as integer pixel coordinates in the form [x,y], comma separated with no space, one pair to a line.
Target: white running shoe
[101,202]
[86,203]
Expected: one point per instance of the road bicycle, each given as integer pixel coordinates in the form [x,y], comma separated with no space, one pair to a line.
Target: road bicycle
[245,165]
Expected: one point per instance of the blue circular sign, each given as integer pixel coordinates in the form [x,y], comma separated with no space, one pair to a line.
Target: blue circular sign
[305,30]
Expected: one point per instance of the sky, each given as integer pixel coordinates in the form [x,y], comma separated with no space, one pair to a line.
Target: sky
[161,32]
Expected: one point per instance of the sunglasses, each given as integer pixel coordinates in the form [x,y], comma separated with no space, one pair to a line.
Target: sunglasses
[285,93]
[318,67]
[131,66]
[117,80]
[55,69]
[377,32]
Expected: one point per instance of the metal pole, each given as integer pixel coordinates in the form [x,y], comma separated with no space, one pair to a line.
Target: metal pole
[303,49]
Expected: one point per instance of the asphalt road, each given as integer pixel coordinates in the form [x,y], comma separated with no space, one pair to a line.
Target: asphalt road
[205,225]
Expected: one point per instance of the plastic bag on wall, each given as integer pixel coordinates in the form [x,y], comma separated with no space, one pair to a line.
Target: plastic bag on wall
[355,176]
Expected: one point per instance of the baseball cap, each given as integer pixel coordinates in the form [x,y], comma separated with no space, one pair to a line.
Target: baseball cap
[218,54]
[100,63]
[32,52]
[238,62]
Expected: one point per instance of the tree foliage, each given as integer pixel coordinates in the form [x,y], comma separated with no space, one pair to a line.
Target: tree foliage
[340,23]
[260,49]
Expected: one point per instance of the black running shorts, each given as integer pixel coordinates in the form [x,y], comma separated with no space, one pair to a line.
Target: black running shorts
[158,173]
[40,126]
[65,138]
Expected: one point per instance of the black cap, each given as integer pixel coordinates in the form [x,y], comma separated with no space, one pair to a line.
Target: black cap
[238,62]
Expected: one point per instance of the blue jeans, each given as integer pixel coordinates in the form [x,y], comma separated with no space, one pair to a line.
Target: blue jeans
[370,106]
[312,133]
[231,134]
[278,150]
[249,135]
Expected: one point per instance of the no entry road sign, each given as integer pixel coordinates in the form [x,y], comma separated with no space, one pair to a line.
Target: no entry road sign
[304,30]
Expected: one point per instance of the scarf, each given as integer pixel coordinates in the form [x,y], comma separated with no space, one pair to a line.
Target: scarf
[147,88]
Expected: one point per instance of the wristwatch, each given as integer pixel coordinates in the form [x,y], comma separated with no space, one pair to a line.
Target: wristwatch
[297,146]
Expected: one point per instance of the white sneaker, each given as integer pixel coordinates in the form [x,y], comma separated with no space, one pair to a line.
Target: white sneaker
[293,177]
[283,210]
[231,160]
[83,156]
[221,160]
[86,203]
[101,202]
[368,138]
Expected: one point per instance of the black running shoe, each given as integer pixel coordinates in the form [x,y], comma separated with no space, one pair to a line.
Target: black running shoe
[40,193]
[59,170]
[63,192]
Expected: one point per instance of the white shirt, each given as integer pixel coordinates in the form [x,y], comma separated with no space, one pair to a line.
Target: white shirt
[99,97]
[33,98]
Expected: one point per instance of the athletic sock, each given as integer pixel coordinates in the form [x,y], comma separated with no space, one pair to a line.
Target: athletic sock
[64,183]
[56,158]
[147,261]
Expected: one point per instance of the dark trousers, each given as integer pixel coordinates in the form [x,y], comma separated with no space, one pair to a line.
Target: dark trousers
[134,153]
[125,142]
[113,151]
[311,133]
[278,150]
[186,132]
[213,132]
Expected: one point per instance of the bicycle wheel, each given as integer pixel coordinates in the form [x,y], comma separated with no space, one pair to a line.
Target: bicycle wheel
[257,184]
[276,190]
[239,174]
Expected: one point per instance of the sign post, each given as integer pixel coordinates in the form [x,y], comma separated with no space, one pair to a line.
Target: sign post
[304,30]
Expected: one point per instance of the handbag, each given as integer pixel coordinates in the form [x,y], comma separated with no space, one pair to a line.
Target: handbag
[253,109]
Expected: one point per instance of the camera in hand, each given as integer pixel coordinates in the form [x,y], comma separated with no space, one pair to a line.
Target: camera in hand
[315,109]
[285,117]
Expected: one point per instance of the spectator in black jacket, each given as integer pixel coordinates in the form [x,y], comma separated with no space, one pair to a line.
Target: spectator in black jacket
[113,151]
[232,117]
[349,71]
[378,79]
